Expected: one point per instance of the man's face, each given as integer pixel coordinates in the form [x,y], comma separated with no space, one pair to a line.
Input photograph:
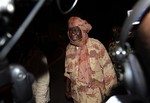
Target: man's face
[75,33]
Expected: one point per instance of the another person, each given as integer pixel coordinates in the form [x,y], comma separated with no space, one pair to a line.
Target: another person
[37,64]
[88,66]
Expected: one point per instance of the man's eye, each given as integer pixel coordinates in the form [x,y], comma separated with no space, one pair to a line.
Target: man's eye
[74,32]
[77,30]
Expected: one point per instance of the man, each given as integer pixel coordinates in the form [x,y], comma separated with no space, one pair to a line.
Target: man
[87,65]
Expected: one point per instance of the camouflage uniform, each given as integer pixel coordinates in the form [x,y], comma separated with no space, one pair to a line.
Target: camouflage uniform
[87,65]
[92,84]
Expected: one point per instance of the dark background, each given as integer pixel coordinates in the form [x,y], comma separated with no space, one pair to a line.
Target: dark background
[48,30]
[102,15]
[51,24]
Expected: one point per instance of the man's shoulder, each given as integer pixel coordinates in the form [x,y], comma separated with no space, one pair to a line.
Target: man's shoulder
[69,46]
[93,40]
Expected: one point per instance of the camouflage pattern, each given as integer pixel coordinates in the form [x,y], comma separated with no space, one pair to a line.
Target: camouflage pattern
[91,72]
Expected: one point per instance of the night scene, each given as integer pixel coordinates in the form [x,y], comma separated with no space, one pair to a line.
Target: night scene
[74,51]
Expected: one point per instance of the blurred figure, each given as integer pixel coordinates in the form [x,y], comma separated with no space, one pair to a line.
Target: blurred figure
[114,45]
[117,65]
[115,41]
[111,48]
[88,67]
[37,64]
